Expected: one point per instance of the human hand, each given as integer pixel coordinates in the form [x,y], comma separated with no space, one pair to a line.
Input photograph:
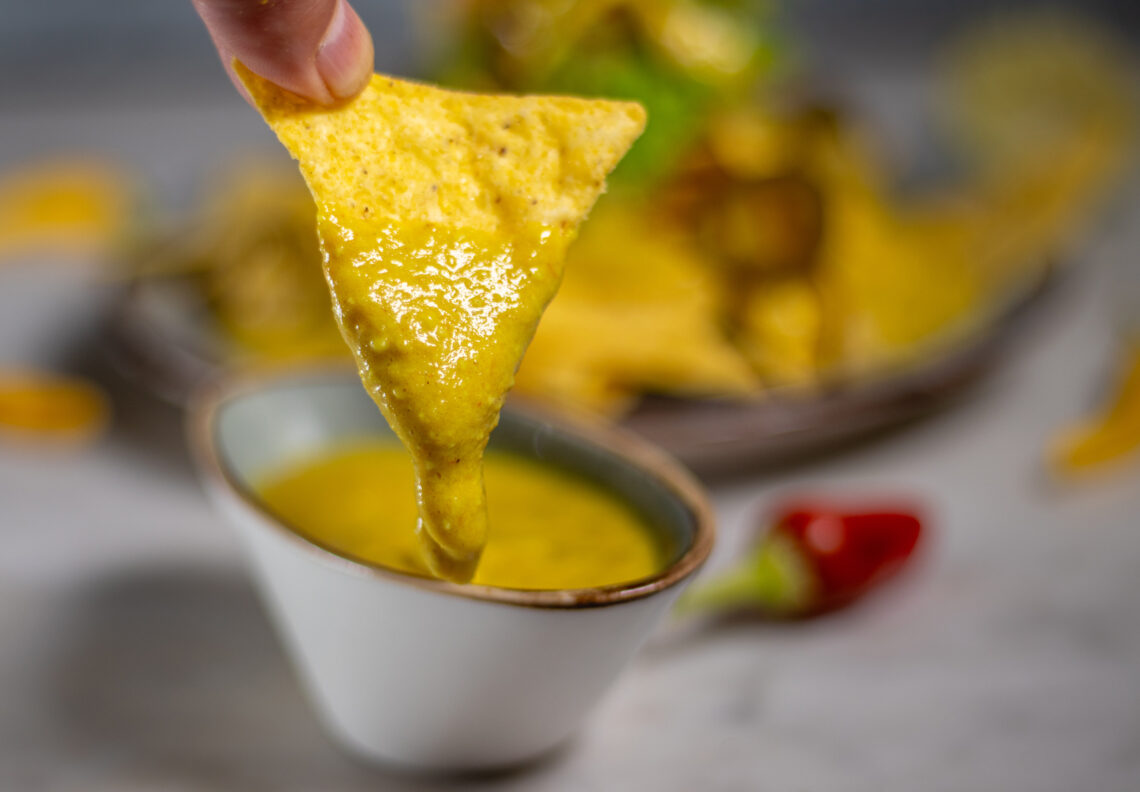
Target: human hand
[317,49]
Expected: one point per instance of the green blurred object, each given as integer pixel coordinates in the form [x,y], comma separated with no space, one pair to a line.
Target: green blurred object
[680,58]
[773,579]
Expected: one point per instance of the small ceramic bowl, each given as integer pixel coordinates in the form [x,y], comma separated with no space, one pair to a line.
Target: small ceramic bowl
[421,672]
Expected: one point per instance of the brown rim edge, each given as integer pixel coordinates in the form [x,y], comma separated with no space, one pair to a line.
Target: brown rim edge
[208,400]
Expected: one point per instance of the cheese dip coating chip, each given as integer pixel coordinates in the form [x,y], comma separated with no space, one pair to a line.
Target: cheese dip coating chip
[444,219]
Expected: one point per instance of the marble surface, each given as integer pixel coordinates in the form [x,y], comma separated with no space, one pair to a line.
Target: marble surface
[134,656]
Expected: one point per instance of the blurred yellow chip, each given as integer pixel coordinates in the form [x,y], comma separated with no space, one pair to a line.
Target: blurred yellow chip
[1109,436]
[1024,87]
[780,331]
[68,205]
[1043,105]
[49,406]
[639,311]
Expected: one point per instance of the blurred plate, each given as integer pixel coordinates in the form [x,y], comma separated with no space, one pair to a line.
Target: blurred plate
[717,437]
[159,337]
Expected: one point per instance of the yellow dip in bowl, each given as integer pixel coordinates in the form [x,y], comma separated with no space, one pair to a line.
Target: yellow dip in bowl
[550,528]
[404,667]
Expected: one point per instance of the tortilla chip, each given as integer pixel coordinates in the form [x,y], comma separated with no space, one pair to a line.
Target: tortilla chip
[444,218]
[1111,435]
[781,329]
[68,205]
[41,405]
[639,311]
[404,151]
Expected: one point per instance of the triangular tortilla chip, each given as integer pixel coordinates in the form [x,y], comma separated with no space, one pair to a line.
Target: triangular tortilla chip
[444,219]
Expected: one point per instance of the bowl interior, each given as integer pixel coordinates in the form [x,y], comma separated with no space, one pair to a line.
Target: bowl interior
[288,420]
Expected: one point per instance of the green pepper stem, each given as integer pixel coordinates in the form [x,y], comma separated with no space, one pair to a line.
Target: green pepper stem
[775,578]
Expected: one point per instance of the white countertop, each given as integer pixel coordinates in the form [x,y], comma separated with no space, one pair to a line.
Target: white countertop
[133,655]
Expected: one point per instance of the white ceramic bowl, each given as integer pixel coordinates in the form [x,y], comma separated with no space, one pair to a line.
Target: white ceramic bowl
[420,672]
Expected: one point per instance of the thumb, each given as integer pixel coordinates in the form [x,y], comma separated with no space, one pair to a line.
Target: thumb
[318,49]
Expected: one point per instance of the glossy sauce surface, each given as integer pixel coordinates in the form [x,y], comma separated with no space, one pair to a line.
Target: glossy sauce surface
[549,529]
[438,320]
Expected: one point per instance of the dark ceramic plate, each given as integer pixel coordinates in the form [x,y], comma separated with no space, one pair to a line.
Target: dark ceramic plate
[158,337]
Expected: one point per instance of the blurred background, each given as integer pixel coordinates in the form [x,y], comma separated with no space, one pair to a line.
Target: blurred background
[867,248]
[74,49]
[847,208]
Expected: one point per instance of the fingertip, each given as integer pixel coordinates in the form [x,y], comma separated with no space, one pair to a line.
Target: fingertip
[345,56]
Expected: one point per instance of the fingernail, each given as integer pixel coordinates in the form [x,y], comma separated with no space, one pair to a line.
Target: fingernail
[344,59]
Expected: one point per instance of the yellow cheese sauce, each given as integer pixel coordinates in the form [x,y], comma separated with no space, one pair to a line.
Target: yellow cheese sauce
[438,320]
[549,529]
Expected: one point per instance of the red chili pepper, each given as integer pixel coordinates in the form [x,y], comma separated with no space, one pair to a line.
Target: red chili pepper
[850,551]
[818,556]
